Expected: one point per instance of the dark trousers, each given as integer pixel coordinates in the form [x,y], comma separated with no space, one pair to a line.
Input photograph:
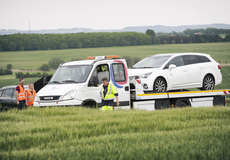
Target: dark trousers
[107,103]
[21,104]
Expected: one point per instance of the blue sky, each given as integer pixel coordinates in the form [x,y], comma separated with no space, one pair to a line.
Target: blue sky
[110,14]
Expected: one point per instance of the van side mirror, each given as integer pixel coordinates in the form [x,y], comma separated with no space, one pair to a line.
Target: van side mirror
[93,81]
[172,66]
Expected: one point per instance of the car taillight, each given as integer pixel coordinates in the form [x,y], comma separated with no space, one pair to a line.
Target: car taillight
[219,66]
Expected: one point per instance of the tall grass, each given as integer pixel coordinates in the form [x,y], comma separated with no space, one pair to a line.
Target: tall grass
[79,133]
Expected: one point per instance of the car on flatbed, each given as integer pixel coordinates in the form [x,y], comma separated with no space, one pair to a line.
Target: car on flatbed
[177,71]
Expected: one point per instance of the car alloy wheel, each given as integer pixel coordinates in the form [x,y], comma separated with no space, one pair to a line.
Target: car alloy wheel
[159,85]
[208,83]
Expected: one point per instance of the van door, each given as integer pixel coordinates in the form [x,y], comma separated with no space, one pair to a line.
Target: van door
[119,78]
[98,73]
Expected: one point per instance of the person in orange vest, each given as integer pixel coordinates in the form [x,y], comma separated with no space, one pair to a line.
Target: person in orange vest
[20,94]
[30,95]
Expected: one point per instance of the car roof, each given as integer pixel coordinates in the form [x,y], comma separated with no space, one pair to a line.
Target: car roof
[177,54]
[12,86]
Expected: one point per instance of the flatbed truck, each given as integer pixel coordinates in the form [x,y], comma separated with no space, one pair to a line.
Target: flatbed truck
[78,83]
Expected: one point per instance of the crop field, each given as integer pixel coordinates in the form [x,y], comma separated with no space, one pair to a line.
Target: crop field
[80,133]
[34,59]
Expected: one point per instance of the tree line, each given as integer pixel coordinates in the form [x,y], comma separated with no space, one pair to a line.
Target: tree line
[21,42]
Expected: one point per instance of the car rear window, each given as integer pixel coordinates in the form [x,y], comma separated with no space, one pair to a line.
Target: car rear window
[1,93]
[190,59]
[203,59]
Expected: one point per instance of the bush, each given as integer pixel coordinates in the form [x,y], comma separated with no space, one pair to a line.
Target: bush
[8,72]
[45,67]
[2,72]
[9,66]
[19,75]
[55,62]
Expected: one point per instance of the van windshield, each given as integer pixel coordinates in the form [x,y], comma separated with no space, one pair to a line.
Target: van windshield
[151,62]
[71,74]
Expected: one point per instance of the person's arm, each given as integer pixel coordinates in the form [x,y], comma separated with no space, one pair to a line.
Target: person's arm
[26,98]
[117,101]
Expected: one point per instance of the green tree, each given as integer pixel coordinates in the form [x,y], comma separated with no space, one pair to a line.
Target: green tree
[150,32]
[55,62]
[45,67]
[9,66]
[11,46]
[64,46]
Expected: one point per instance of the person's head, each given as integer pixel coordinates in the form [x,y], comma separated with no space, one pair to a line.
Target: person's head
[21,81]
[31,86]
[105,81]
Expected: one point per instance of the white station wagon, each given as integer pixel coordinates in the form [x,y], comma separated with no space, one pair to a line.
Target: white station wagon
[177,71]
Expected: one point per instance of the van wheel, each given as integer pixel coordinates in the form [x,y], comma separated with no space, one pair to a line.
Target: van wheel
[159,85]
[208,83]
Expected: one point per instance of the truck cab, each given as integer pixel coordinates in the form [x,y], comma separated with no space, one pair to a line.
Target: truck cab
[78,83]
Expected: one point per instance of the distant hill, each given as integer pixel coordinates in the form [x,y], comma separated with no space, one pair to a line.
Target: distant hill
[156,28]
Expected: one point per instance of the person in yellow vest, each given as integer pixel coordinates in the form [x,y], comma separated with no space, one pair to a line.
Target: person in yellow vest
[101,68]
[108,91]
[20,94]
[30,95]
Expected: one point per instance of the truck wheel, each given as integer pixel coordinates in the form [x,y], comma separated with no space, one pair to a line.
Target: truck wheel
[208,83]
[159,85]
[182,103]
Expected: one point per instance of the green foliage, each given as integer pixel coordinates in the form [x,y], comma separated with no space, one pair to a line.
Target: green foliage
[79,133]
[2,72]
[9,66]
[45,67]
[64,46]
[27,42]
[55,62]
[206,31]
[150,32]
[11,46]
[30,75]
[227,38]
[8,72]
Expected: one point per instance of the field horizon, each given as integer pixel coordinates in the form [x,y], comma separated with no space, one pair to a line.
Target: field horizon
[34,59]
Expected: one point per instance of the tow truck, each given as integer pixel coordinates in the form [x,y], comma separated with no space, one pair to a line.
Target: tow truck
[78,83]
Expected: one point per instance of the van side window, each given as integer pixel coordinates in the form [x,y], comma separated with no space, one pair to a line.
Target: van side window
[119,72]
[101,71]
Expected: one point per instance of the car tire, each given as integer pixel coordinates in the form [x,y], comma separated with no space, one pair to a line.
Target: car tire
[159,85]
[208,83]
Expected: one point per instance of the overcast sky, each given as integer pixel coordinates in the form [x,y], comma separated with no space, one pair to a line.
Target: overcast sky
[110,14]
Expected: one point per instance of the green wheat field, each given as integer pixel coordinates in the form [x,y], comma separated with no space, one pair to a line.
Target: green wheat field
[81,133]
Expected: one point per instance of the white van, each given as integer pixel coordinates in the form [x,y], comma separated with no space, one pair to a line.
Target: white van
[78,83]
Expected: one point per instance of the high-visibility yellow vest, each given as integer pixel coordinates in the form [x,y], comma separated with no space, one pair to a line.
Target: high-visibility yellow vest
[30,97]
[111,90]
[21,94]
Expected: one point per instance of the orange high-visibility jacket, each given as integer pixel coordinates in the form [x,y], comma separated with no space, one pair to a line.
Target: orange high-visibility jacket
[30,97]
[21,94]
